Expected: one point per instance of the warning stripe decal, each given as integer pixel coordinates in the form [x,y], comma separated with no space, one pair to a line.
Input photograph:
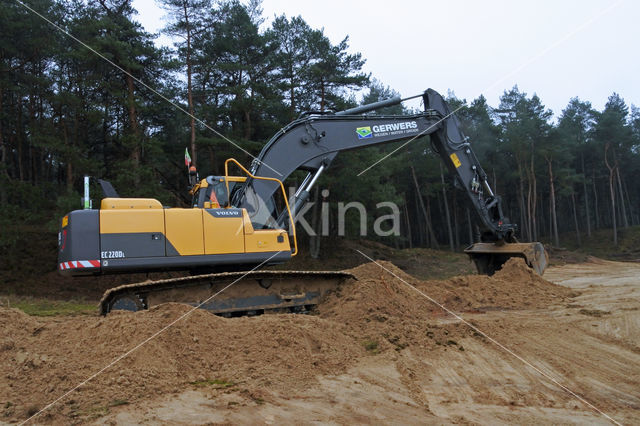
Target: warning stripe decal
[75,264]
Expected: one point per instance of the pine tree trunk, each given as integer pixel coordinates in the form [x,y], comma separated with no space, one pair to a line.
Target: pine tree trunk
[552,202]
[631,207]
[75,140]
[623,209]
[613,194]
[613,209]
[19,139]
[30,154]
[105,129]
[540,219]
[292,98]
[69,177]
[433,243]
[432,235]
[133,115]
[550,220]
[533,202]
[421,231]
[4,175]
[33,177]
[247,125]
[133,123]
[586,197]
[595,199]
[528,206]
[212,158]
[575,218]
[523,211]
[406,218]
[194,153]
[65,137]
[446,210]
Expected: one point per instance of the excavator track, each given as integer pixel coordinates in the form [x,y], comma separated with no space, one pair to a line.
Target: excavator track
[236,293]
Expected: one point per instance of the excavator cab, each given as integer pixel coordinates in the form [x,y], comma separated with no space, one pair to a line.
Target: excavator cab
[213,191]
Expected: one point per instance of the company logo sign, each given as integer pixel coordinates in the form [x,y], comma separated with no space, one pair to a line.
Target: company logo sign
[364,132]
[225,212]
[388,129]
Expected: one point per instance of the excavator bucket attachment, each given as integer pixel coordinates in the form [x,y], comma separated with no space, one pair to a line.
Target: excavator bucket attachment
[489,257]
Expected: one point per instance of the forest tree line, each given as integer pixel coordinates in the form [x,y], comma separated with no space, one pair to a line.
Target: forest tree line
[66,112]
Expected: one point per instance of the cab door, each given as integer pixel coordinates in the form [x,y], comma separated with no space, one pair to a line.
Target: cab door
[223,231]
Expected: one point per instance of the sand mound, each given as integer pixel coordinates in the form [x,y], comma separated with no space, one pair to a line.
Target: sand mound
[395,310]
[515,286]
[383,286]
[40,359]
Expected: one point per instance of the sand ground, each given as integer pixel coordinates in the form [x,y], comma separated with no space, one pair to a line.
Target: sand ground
[375,352]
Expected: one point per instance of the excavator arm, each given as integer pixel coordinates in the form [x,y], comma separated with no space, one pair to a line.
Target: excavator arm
[312,142]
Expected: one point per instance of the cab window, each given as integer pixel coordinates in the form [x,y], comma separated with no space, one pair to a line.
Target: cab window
[219,191]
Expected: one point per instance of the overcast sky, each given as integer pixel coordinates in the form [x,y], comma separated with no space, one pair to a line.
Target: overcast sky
[557,49]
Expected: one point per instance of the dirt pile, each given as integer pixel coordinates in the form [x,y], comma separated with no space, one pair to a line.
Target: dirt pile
[40,359]
[380,287]
[515,286]
[385,313]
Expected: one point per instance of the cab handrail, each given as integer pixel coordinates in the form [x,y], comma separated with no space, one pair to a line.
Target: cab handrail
[284,194]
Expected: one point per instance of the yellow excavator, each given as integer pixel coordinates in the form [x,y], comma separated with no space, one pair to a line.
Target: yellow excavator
[244,223]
